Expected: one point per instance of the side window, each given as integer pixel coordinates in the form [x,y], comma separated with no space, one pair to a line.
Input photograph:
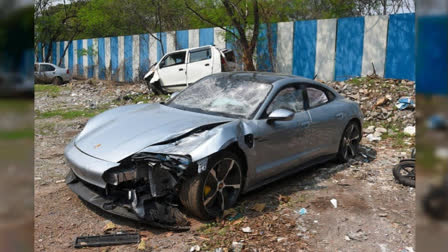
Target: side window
[316,97]
[36,67]
[289,98]
[203,54]
[46,68]
[173,59]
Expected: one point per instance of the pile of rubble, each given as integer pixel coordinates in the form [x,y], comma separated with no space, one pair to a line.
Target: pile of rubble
[379,101]
[93,94]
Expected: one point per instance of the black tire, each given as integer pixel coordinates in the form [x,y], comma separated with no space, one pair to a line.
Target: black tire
[435,203]
[155,88]
[57,81]
[404,172]
[352,135]
[193,194]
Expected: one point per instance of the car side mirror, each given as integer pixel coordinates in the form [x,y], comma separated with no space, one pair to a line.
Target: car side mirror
[280,115]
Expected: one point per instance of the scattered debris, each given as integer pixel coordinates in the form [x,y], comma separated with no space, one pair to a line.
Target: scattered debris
[302,211]
[195,248]
[237,246]
[107,240]
[359,235]
[280,239]
[259,207]
[109,227]
[60,181]
[283,198]
[382,214]
[142,244]
[404,103]
[334,202]
[246,230]
[410,130]
[373,138]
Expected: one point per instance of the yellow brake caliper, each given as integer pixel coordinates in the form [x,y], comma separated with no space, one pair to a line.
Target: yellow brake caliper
[207,190]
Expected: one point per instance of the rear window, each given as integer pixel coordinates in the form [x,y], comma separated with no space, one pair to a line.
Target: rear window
[316,97]
[200,55]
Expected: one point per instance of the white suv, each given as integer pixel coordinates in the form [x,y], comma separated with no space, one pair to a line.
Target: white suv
[176,70]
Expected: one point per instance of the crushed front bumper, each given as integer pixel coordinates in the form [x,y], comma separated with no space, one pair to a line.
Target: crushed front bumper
[148,200]
[157,214]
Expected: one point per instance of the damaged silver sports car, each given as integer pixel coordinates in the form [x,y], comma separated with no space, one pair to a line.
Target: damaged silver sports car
[228,134]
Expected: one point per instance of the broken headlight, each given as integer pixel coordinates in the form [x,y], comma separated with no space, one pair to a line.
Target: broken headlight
[166,160]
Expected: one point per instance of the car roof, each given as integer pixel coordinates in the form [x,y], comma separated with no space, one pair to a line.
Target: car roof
[276,79]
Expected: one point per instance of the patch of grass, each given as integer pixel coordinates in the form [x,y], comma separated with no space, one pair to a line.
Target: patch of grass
[357,81]
[69,114]
[16,105]
[17,134]
[52,90]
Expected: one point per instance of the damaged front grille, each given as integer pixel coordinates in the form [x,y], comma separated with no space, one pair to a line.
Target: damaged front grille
[147,184]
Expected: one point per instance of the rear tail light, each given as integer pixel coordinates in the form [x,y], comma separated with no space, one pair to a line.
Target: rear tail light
[68,71]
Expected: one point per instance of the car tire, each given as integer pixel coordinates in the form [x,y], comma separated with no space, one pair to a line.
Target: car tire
[155,88]
[349,144]
[223,167]
[57,81]
[408,167]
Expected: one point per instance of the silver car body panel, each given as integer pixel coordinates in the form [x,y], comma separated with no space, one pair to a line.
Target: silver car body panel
[123,131]
[271,150]
[86,167]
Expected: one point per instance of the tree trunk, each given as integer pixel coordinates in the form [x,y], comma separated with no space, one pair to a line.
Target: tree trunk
[49,52]
[248,60]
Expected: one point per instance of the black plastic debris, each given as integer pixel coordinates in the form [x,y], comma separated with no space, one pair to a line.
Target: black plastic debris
[107,240]
[368,154]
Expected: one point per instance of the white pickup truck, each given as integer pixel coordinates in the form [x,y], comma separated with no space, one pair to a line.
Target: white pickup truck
[176,70]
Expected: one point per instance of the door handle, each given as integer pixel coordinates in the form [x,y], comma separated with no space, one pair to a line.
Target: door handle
[181,69]
[207,64]
[340,115]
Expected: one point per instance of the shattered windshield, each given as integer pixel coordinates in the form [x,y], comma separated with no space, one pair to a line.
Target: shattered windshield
[223,95]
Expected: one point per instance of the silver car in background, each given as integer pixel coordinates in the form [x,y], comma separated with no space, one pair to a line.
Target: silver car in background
[228,134]
[50,73]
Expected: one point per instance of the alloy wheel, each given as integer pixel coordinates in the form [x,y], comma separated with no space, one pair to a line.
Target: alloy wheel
[350,142]
[222,186]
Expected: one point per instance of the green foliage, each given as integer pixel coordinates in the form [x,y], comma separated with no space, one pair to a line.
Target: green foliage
[69,114]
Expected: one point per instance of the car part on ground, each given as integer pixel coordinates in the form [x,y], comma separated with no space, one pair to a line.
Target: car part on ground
[106,240]
[230,133]
[404,171]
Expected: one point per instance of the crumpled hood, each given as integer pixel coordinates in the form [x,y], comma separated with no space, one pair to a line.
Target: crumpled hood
[121,132]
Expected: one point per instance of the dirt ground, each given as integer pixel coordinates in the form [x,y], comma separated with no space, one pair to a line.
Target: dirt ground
[374,213]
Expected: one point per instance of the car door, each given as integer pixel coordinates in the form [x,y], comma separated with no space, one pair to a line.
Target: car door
[282,144]
[172,70]
[199,64]
[47,72]
[325,120]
